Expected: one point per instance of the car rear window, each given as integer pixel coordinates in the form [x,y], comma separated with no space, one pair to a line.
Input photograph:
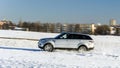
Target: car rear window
[85,37]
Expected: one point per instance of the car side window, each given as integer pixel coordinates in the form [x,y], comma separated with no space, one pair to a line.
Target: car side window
[76,36]
[63,36]
[73,36]
[69,36]
[85,37]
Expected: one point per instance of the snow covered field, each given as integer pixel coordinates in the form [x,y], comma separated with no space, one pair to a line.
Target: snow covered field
[25,53]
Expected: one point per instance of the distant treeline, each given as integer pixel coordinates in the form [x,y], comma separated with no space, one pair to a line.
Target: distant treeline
[52,27]
[32,26]
[43,27]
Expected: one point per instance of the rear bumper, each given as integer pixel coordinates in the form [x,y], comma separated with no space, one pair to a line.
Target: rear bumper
[90,48]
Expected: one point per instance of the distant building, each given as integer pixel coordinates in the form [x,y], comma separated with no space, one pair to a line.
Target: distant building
[113,22]
[50,27]
[65,28]
[71,28]
[2,23]
[118,30]
[93,28]
[58,28]
[112,30]
[87,28]
[21,29]
[82,28]
[114,27]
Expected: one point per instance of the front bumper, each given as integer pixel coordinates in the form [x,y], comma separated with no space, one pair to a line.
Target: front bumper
[40,45]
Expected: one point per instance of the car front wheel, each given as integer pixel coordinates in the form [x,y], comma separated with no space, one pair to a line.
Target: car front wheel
[48,47]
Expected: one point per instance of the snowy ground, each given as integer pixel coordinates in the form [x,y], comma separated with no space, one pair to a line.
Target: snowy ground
[25,54]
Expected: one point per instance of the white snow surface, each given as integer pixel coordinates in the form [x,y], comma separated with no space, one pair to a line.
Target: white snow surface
[17,53]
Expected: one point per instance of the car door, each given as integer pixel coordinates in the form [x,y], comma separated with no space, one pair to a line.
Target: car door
[61,42]
[73,41]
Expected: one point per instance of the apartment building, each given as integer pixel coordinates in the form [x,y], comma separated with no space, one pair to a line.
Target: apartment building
[114,27]
[2,23]
[58,28]
[82,28]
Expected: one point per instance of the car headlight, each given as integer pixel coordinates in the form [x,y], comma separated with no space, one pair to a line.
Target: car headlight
[42,40]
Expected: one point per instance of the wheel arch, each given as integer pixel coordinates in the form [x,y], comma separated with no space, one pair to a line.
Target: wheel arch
[81,46]
[49,49]
[47,44]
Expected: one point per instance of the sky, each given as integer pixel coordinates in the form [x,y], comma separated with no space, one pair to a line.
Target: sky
[62,11]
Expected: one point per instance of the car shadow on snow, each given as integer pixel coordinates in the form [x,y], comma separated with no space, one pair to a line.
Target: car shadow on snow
[24,49]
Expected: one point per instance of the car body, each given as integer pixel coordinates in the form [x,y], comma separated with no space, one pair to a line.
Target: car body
[67,41]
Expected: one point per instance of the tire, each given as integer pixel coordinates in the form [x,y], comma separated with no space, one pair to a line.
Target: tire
[82,49]
[48,47]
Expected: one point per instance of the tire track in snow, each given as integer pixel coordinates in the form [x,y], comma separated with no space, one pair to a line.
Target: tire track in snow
[19,38]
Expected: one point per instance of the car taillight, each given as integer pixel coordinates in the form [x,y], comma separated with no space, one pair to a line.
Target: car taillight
[91,41]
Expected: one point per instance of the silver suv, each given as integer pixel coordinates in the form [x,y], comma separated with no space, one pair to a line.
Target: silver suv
[80,42]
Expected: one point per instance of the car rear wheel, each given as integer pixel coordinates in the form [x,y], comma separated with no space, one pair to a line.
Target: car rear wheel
[48,47]
[82,49]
